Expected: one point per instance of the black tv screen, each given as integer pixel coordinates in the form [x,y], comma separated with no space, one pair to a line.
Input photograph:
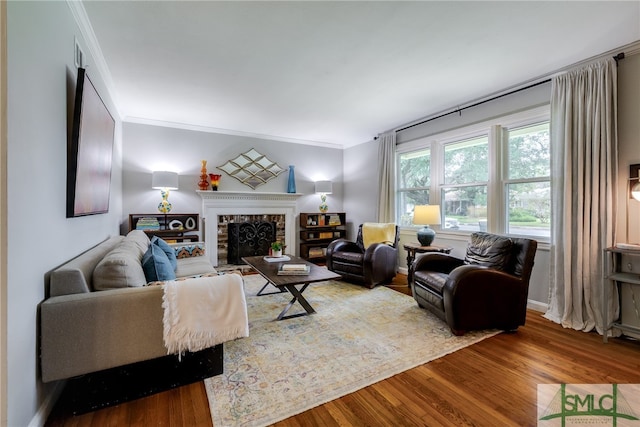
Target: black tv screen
[89,152]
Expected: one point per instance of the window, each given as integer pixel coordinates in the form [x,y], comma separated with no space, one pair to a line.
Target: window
[466,176]
[494,176]
[528,181]
[414,179]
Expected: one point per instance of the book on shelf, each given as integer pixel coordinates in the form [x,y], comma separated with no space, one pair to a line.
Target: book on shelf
[148,224]
[334,220]
[315,252]
[294,269]
[326,235]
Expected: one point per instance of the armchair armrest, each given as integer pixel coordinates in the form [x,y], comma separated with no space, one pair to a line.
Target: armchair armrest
[380,262]
[474,291]
[340,245]
[343,245]
[480,279]
[376,252]
[436,261]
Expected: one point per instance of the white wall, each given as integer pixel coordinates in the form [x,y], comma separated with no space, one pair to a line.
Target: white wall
[361,185]
[41,81]
[148,148]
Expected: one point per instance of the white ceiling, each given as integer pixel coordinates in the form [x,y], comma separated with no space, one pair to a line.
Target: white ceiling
[336,73]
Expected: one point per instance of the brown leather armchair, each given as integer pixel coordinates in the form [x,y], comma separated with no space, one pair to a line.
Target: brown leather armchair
[487,289]
[373,265]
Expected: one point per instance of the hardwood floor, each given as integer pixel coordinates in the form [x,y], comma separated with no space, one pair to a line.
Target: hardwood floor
[491,383]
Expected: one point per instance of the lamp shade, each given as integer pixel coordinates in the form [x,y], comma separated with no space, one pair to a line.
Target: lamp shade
[164,180]
[324,187]
[635,191]
[426,215]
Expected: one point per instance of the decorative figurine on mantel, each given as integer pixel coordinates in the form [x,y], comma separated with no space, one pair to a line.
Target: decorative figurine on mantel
[203,184]
[215,180]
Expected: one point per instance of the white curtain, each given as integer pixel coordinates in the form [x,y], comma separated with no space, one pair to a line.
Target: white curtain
[584,163]
[386,161]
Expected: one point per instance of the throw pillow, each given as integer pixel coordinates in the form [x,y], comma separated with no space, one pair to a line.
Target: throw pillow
[120,268]
[189,250]
[168,250]
[489,250]
[156,265]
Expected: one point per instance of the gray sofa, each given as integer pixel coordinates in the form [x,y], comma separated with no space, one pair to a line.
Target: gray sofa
[101,313]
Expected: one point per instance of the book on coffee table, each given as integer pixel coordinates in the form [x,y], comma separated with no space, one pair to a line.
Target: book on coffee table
[293,269]
[277,258]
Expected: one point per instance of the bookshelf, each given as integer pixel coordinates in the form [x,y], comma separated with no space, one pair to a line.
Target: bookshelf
[170,227]
[317,230]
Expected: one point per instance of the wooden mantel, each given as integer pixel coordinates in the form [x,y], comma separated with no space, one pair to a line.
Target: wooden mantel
[246,195]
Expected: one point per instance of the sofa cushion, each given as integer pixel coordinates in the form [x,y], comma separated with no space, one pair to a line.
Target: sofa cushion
[188,250]
[156,265]
[194,266]
[489,250]
[168,250]
[140,239]
[120,268]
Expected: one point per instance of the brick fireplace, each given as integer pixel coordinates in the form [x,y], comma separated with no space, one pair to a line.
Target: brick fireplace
[218,206]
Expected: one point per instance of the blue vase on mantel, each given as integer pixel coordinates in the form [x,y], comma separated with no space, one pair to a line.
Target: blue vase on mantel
[291,187]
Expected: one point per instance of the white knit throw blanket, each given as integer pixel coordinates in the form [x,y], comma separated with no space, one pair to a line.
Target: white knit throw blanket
[202,312]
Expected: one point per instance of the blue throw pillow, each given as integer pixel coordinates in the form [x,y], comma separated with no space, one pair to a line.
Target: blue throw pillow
[156,265]
[171,253]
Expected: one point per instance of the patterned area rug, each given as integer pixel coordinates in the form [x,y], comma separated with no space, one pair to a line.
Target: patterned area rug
[358,336]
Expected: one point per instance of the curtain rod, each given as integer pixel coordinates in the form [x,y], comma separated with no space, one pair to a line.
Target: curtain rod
[459,110]
[617,58]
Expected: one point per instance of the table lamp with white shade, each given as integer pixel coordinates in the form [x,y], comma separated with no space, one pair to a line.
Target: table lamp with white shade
[426,215]
[164,181]
[323,188]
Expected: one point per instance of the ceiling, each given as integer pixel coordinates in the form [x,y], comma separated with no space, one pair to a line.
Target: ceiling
[331,72]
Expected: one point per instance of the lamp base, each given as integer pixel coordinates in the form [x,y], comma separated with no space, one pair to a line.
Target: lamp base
[426,235]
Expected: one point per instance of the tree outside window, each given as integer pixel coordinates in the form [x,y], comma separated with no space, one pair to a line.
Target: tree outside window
[464,193]
[528,183]
[494,176]
[414,179]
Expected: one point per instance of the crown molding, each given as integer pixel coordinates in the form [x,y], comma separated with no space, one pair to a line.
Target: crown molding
[208,129]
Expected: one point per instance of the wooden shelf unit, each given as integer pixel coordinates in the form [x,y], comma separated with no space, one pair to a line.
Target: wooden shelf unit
[613,272]
[317,230]
[190,223]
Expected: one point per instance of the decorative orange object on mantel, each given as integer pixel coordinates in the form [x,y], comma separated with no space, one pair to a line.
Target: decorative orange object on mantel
[203,184]
[215,180]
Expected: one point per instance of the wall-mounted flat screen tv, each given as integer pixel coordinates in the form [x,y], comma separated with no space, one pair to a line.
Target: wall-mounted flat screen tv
[89,152]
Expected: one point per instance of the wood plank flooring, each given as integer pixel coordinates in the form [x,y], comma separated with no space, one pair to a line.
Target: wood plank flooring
[492,383]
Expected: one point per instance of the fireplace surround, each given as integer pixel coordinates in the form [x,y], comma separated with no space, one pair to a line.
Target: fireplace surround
[217,203]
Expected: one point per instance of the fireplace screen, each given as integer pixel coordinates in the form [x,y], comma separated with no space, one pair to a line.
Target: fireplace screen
[249,239]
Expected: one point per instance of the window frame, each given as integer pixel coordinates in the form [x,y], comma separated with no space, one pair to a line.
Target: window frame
[497,185]
[398,197]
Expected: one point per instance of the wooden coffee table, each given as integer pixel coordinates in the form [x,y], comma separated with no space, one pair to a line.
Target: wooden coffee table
[269,270]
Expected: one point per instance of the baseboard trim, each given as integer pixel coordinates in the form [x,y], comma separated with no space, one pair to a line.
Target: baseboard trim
[537,306]
[40,417]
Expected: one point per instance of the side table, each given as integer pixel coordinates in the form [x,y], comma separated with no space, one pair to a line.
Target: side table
[415,248]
